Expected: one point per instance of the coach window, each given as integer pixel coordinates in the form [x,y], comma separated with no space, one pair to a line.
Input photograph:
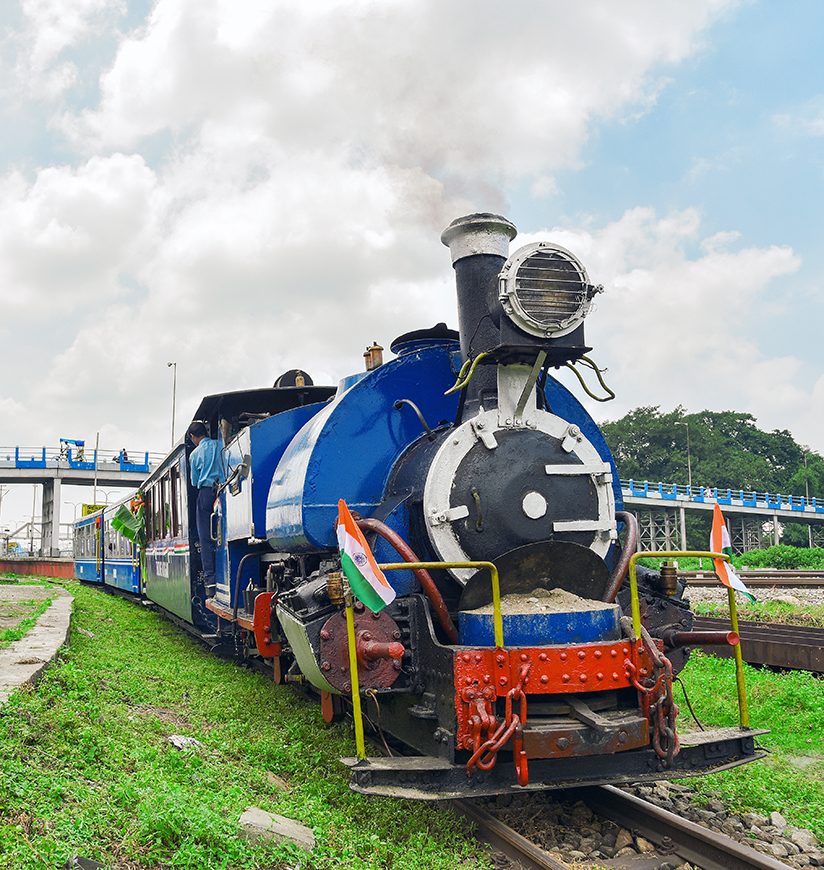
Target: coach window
[175,501]
[157,502]
[147,513]
[166,486]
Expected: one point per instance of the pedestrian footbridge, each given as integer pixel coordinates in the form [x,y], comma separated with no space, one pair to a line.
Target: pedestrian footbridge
[50,467]
[662,509]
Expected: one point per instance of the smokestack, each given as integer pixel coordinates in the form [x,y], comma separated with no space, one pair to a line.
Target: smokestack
[479,245]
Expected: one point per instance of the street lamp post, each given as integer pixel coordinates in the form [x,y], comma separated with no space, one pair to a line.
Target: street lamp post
[689,457]
[807,501]
[173,367]
[106,496]
[75,505]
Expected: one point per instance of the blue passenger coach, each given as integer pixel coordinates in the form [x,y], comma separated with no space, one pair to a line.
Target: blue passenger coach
[88,548]
[121,559]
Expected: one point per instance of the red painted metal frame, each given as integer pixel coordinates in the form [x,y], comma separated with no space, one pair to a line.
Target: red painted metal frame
[259,624]
[484,674]
[262,620]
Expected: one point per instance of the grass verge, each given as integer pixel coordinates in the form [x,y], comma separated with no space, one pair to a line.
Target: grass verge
[766,611]
[791,778]
[87,769]
[37,608]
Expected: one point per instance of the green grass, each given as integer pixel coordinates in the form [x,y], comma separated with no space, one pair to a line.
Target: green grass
[86,767]
[791,705]
[37,608]
[782,557]
[766,611]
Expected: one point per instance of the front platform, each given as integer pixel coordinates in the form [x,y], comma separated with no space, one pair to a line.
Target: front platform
[430,778]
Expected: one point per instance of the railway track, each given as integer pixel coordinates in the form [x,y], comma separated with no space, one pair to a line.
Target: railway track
[672,835]
[760,579]
[795,647]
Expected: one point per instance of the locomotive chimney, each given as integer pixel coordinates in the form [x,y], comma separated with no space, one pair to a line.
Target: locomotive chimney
[479,245]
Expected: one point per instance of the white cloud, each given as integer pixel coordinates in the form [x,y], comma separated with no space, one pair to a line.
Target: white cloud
[288,170]
[807,119]
[466,89]
[674,327]
[50,28]
[67,238]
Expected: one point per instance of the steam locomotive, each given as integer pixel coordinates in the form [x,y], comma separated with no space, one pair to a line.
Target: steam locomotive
[460,449]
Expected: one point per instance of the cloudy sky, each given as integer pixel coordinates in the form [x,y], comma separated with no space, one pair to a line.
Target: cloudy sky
[247,186]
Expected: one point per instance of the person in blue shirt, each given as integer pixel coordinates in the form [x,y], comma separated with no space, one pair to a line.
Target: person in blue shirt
[206,474]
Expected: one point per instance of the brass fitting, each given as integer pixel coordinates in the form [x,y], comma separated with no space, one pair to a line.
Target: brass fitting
[373,356]
[669,578]
[334,587]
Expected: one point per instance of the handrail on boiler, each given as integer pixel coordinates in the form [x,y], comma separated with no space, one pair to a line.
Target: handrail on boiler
[743,712]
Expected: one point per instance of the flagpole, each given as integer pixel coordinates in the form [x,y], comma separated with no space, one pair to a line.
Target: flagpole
[360,746]
[743,711]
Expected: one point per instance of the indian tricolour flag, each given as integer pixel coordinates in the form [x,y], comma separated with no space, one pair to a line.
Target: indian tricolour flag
[720,543]
[359,565]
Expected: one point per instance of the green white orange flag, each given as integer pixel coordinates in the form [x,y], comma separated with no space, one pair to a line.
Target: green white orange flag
[359,565]
[720,543]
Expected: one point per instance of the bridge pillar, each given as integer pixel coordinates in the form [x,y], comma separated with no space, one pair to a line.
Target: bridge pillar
[776,530]
[50,534]
[658,530]
[745,533]
[682,515]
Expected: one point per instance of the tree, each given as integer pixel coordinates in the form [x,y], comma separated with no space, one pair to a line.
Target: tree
[727,450]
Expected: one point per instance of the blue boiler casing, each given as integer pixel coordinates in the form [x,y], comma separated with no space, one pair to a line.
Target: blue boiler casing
[348,450]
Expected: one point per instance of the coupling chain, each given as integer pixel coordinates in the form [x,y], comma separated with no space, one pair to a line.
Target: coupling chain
[664,710]
[485,754]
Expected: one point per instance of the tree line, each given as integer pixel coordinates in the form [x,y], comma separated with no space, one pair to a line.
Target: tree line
[726,449]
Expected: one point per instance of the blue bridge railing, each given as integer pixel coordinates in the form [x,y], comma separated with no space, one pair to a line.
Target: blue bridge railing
[733,497]
[79,459]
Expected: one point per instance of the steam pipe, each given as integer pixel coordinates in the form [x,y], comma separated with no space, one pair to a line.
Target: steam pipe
[673,638]
[424,577]
[619,574]
[418,413]
[240,565]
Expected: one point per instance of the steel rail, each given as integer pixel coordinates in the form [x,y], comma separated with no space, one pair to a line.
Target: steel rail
[759,579]
[795,647]
[707,849]
[505,839]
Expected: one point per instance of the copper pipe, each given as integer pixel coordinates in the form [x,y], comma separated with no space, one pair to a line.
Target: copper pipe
[673,638]
[619,574]
[424,577]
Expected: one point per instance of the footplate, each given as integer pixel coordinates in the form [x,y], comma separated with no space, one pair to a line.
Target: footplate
[430,778]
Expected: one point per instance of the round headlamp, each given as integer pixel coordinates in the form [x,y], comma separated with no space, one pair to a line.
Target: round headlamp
[545,290]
